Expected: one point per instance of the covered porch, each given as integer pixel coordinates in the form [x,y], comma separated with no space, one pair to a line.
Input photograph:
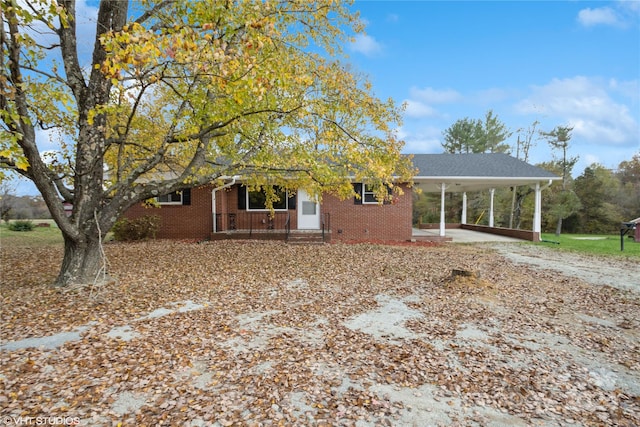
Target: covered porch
[264,225]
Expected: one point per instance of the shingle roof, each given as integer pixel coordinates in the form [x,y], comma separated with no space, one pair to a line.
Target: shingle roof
[476,165]
[475,172]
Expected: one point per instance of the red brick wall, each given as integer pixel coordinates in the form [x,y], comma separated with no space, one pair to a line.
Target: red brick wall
[370,221]
[348,221]
[182,222]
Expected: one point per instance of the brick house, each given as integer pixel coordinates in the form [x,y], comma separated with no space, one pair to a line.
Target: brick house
[231,211]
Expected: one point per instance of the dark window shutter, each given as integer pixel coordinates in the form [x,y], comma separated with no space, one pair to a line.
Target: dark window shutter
[186,196]
[242,197]
[357,187]
[292,202]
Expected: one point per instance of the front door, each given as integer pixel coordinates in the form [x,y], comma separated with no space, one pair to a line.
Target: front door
[308,212]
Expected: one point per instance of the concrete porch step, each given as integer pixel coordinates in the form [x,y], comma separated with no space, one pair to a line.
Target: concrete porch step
[306,237]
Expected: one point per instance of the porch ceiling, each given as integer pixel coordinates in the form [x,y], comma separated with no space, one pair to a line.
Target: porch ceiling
[459,184]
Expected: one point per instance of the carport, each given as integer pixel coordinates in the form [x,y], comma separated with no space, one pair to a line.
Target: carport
[463,173]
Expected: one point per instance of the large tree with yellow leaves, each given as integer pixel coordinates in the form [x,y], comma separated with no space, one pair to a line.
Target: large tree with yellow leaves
[176,94]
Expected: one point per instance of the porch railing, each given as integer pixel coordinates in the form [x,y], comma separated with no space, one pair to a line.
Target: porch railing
[251,221]
[260,221]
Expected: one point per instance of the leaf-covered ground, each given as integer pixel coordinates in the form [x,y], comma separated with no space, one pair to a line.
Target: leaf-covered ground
[264,333]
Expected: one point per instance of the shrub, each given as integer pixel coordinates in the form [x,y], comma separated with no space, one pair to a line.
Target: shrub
[142,228]
[21,225]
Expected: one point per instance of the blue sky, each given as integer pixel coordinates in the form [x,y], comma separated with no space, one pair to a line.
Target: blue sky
[573,63]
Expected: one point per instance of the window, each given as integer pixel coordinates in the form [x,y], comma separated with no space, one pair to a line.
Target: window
[308,208]
[368,196]
[256,200]
[176,198]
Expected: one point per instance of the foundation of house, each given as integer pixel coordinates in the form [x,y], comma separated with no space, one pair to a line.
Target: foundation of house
[293,236]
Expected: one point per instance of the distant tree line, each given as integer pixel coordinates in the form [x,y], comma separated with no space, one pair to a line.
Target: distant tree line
[606,197]
[13,206]
[595,202]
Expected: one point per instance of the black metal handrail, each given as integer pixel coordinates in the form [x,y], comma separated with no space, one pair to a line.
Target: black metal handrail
[326,224]
[287,226]
[252,221]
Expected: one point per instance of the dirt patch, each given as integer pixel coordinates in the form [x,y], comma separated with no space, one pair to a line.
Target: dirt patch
[351,335]
[602,271]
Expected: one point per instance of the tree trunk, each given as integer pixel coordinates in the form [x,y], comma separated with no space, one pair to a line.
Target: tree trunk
[517,213]
[559,226]
[82,263]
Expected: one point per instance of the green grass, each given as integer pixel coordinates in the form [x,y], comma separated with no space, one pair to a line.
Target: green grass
[593,244]
[39,236]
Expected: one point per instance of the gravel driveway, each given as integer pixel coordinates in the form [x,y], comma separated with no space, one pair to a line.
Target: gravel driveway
[607,271]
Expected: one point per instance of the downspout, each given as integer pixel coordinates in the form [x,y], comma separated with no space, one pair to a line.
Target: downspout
[213,198]
[547,185]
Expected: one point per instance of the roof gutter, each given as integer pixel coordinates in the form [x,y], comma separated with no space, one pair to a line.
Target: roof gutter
[213,198]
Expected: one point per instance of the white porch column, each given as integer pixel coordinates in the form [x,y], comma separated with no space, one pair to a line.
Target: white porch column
[442,220]
[464,208]
[537,212]
[491,193]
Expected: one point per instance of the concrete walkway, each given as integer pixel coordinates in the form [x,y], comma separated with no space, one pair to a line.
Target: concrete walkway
[459,235]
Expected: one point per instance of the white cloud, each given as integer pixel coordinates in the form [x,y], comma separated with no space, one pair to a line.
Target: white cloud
[86,17]
[491,96]
[435,96]
[588,106]
[629,89]
[48,139]
[421,101]
[426,139]
[590,159]
[622,14]
[598,16]
[421,146]
[418,109]
[629,9]
[366,45]
[392,17]
[400,133]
